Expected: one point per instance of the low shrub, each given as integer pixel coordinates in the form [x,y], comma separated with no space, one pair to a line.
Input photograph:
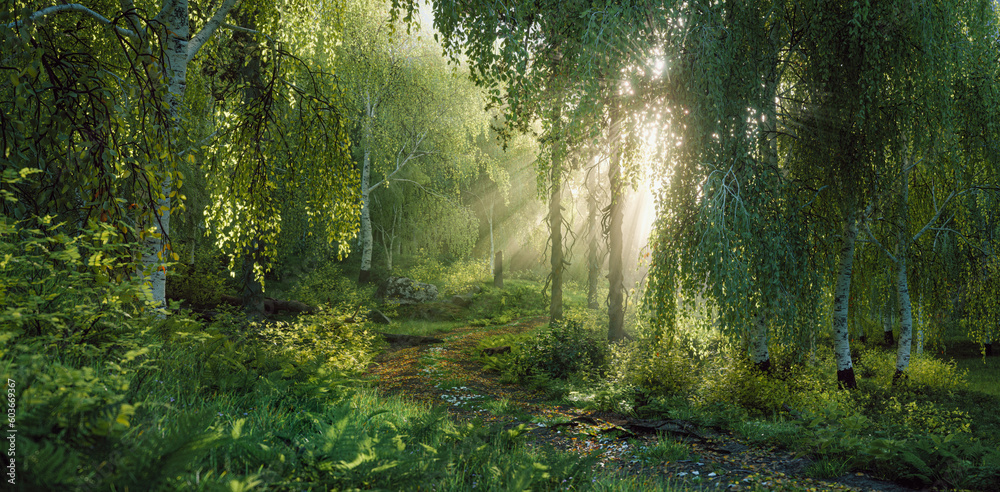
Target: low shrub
[565,349]
[328,286]
[203,282]
[657,369]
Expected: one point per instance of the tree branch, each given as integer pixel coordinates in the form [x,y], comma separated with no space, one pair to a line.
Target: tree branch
[73,7]
[876,241]
[210,27]
[399,165]
[934,219]
[248,31]
[429,192]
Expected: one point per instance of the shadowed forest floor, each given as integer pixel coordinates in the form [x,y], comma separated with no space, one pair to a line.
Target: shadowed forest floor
[448,374]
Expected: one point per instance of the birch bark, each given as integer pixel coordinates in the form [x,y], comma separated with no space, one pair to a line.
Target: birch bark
[905,308]
[364,275]
[841,295]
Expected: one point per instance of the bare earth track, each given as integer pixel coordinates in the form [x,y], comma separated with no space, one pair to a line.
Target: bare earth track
[446,374]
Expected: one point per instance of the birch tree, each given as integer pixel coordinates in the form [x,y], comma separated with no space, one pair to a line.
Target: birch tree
[410,109]
[141,55]
[162,40]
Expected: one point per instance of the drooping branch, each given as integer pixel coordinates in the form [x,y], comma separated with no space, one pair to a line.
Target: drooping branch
[400,161]
[209,28]
[879,244]
[933,219]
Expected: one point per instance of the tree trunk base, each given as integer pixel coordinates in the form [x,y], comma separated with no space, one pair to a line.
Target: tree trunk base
[364,277]
[897,377]
[846,380]
[888,339]
[272,306]
[763,366]
[988,348]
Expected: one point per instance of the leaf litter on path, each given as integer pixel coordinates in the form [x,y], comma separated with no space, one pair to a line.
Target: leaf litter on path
[444,374]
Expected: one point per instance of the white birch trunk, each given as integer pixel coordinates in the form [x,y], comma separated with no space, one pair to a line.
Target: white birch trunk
[366,220]
[180,49]
[759,354]
[905,307]
[906,320]
[841,296]
[177,58]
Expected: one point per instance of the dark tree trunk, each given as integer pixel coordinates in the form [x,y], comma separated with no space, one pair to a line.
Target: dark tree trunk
[616,288]
[593,232]
[555,218]
[555,227]
[252,294]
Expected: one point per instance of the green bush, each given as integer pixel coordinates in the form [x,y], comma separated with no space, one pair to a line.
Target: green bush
[733,379]
[658,369]
[322,338]
[328,286]
[567,348]
[203,282]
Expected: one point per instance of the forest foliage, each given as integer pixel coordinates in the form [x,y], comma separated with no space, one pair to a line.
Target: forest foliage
[826,219]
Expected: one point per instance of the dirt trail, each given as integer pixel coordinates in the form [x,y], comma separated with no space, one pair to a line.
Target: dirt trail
[447,374]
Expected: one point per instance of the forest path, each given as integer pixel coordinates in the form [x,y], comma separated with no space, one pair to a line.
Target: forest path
[449,374]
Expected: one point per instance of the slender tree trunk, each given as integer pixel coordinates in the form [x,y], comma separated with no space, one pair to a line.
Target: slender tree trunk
[759,354]
[498,270]
[593,232]
[616,277]
[252,295]
[887,321]
[905,307]
[388,252]
[364,275]
[176,54]
[493,250]
[905,321]
[555,227]
[180,49]
[841,295]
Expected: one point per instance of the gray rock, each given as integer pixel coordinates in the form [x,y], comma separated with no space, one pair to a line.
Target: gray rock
[402,290]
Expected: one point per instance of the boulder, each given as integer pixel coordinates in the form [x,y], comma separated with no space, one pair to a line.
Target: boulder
[402,290]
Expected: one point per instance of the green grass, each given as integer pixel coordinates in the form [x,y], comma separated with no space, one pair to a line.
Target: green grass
[424,328]
[982,374]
